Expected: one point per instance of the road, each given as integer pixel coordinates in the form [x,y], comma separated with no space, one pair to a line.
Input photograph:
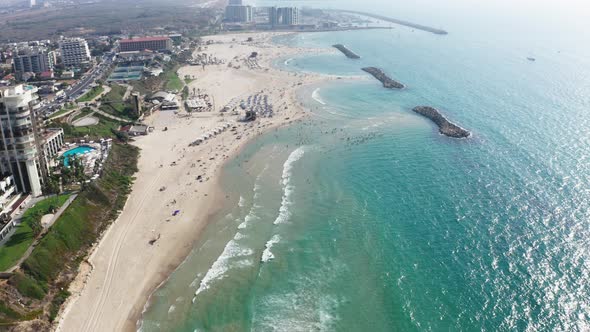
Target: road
[77,89]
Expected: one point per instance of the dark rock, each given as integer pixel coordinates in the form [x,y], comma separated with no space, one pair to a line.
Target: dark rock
[383,78]
[445,127]
[350,54]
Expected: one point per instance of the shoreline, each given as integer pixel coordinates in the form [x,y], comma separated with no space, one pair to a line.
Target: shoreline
[96,305]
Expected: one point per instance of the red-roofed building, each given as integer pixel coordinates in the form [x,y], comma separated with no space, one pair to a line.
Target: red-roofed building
[145,43]
[46,74]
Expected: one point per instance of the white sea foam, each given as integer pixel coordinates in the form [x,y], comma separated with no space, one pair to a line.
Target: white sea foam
[316,96]
[171,309]
[284,212]
[239,236]
[222,264]
[242,202]
[267,255]
[251,216]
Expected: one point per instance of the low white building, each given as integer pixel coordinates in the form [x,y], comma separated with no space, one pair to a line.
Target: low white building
[53,141]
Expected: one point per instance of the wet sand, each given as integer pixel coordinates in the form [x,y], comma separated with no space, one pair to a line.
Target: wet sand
[146,243]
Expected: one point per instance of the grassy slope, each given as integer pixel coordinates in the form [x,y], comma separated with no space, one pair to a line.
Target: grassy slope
[173,82]
[86,217]
[121,109]
[20,241]
[102,130]
[52,265]
[62,111]
[91,94]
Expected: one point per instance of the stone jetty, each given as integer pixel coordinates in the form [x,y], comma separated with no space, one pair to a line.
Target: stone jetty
[350,54]
[383,78]
[396,21]
[445,127]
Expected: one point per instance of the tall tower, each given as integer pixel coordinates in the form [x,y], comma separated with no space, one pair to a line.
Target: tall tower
[19,141]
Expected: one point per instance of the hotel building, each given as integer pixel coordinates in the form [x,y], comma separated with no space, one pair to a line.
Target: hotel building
[145,43]
[19,144]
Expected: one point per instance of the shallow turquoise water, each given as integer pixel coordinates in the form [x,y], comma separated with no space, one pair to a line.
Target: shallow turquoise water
[364,218]
[75,151]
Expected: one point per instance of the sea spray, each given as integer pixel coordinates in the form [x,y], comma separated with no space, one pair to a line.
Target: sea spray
[284,212]
[267,255]
[316,96]
[222,264]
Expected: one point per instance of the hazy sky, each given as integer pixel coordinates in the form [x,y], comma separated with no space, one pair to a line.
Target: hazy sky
[564,21]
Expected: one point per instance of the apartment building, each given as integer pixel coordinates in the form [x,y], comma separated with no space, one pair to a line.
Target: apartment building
[74,52]
[238,14]
[35,60]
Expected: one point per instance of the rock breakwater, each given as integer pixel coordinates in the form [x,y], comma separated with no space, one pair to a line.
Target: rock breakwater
[350,54]
[445,127]
[387,81]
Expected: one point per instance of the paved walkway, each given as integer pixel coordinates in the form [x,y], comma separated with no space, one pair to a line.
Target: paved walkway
[110,116]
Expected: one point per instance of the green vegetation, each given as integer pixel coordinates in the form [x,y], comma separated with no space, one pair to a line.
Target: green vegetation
[104,18]
[83,113]
[117,92]
[28,230]
[173,82]
[8,312]
[45,276]
[103,129]
[61,297]
[28,287]
[80,225]
[118,107]
[90,95]
[64,110]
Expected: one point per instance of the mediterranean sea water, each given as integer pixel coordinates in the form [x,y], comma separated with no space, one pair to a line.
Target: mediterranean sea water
[363,218]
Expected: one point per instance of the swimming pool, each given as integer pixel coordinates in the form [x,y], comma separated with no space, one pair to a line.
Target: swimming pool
[77,150]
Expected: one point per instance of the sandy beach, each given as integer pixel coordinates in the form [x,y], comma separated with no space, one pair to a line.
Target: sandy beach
[115,283]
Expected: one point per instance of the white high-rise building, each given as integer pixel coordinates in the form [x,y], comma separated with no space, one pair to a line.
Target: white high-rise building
[19,144]
[283,16]
[74,52]
[238,13]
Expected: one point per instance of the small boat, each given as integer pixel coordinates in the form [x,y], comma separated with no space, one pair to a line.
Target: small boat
[531,59]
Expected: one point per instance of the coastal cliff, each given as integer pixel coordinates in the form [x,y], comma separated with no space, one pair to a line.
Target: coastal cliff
[350,54]
[383,78]
[445,127]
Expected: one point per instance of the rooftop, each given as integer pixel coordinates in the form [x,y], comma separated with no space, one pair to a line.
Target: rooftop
[143,39]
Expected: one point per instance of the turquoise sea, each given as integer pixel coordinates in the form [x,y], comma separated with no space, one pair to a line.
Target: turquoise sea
[364,218]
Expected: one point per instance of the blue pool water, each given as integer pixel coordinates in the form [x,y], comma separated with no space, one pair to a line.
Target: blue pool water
[75,151]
